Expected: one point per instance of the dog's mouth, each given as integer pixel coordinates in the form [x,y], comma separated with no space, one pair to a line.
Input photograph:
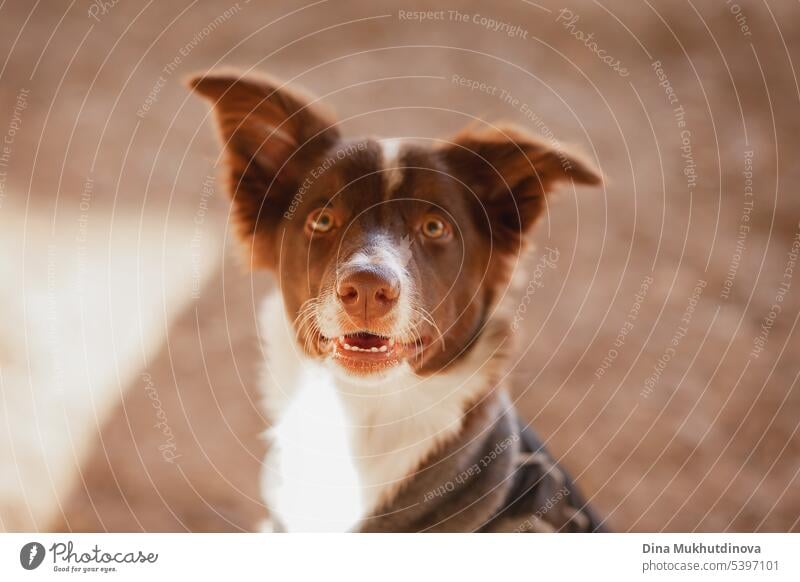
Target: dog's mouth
[365,342]
[364,352]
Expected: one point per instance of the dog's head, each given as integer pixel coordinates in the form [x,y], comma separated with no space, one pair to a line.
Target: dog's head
[386,251]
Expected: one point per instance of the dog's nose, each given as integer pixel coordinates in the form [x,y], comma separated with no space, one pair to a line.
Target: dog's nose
[368,293]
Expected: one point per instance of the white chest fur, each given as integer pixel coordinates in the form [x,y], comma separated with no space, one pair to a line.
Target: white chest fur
[338,450]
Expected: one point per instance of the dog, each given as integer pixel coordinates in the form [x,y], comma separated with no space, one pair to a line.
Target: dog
[387,339]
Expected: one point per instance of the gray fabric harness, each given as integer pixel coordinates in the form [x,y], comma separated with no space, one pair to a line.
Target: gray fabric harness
[495,477]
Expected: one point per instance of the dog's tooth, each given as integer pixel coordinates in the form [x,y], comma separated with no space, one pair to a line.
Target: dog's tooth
[391,341]
[348,347]
[373,349]
[384,349]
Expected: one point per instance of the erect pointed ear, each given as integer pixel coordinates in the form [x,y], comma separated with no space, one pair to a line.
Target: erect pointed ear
[510,171]
[272,135]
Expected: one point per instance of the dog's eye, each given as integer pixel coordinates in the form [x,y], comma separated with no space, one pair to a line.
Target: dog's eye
[320,221]
[434,227]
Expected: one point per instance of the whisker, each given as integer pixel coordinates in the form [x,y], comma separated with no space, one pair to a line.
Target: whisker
[416,337]
[306,324]
[428,317]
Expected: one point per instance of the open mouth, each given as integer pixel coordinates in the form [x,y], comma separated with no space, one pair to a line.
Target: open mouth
[366,342]
[365,352]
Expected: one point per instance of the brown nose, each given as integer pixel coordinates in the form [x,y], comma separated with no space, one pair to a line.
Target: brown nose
[368,293]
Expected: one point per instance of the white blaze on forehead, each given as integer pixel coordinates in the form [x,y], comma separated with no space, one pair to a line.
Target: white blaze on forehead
[390,151]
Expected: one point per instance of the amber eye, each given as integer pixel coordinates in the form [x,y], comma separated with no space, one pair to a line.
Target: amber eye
[434,227]
[320,221]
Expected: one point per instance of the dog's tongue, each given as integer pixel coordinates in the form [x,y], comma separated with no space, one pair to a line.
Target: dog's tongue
[366,341]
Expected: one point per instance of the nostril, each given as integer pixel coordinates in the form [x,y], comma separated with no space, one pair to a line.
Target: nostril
[387,294]
[348,294]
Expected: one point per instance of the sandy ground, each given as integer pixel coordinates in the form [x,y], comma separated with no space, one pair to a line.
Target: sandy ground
[686,420]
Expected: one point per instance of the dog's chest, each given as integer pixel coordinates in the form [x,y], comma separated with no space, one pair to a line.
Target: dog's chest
[310,480]
[335,459]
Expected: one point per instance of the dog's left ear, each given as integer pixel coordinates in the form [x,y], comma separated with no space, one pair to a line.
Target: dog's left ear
[510,171]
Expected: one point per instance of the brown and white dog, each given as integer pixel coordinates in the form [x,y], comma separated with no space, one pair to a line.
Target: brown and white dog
[386,339]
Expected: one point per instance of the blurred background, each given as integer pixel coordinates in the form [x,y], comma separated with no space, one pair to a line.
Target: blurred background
[658,354]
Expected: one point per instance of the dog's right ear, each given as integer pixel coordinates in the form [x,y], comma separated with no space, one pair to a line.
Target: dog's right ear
[271,135]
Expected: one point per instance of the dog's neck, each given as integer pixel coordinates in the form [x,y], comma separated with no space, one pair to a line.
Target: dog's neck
[342,449]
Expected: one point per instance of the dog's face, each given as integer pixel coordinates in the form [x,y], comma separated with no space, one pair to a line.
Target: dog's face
[387,252]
